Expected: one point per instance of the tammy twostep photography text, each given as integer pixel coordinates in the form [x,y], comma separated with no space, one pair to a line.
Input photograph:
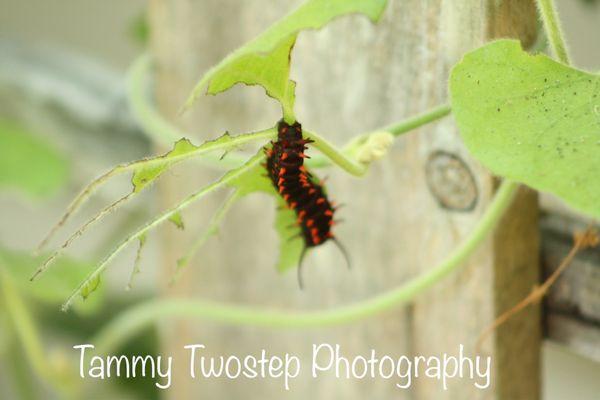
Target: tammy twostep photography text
[326,360]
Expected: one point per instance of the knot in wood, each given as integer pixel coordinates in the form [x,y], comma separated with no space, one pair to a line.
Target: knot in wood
[451,182]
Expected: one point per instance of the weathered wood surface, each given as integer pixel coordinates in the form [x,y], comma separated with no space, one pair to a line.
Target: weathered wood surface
[355,77]
[572,316]
[573,303]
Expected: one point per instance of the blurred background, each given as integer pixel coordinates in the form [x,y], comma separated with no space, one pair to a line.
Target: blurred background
[64,119]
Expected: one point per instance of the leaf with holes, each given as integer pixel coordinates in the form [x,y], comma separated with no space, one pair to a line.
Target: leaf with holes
[147,172]
[265,60]
[531,119]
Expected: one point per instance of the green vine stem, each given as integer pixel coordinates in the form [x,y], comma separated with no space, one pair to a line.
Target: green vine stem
[153,125]
[339,158]
[27,332]
[23,324]
[397,129]
[212,229]
[409,124]
[553,30]
[133,320]
[130,322]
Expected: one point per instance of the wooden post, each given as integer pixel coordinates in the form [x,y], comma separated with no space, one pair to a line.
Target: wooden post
[410,211]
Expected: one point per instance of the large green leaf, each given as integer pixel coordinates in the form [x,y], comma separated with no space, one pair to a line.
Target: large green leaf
[28,163]
[531,119]
[265,60]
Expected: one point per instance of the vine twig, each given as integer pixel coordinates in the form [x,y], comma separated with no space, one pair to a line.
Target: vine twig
[589,238]
[553,30]
[212,229]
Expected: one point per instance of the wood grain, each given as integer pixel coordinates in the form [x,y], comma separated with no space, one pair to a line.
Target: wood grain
[572,307]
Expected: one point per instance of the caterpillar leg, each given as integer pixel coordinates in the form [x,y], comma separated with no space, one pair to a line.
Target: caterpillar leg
[294,237]
[300,280]
[343,251]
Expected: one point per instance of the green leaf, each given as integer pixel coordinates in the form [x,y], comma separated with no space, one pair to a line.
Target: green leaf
[28,163]
[177,219]
[270,71]
[254,179]
[90,288]
[265,60]
[146,174]
[531,119]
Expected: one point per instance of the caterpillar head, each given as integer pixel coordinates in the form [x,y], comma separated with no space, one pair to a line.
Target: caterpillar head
[288,132]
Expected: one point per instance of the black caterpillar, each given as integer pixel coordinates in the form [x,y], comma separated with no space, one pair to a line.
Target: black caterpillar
[314,211]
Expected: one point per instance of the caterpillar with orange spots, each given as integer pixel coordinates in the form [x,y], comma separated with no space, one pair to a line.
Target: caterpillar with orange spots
[314,211]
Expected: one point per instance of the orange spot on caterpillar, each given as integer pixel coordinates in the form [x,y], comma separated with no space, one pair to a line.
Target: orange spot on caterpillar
[300,191]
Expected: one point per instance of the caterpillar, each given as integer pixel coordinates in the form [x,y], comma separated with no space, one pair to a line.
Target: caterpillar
[301,193]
